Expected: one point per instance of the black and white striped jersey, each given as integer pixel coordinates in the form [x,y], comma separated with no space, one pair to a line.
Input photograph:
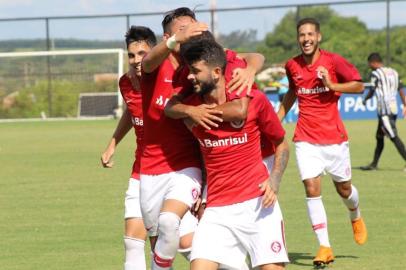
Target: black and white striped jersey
[385,83]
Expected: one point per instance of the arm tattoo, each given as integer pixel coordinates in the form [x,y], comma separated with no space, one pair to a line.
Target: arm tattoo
[279,166]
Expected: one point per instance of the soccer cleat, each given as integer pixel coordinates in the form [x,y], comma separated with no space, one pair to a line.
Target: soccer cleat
[369,167]
[324,257]
[360,231]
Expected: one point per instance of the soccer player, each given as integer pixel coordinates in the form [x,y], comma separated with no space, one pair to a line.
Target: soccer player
[385,84]
[170,169]
[242,214]
[139,41]
[317,78]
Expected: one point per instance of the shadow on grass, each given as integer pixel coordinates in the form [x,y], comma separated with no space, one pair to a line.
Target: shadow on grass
[306,259]
[379,169]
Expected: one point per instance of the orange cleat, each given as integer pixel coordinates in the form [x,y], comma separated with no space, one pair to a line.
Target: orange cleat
[360,231]
[324,257]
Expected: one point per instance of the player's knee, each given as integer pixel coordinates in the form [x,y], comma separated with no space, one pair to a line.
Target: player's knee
[312,191]
[344,190]
[168,223]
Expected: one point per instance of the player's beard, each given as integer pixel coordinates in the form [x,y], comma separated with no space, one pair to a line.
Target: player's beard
[315,45]
[207,87]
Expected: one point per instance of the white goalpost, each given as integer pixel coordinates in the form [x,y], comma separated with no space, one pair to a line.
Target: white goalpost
[59,83]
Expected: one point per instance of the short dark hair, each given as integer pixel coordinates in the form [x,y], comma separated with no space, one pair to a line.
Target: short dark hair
[205,36]
[375,57]
[140,33]
[176,13]
[207,50]
[303,21]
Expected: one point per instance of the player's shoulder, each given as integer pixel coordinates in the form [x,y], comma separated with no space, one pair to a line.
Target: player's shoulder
[335,57]
[124,82]
[294,62]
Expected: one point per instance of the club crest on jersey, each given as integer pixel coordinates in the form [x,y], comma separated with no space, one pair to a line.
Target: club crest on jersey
[237,124]
[195,194]
[276,246]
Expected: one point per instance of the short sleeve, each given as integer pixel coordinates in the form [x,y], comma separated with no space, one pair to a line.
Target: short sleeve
[345,71]
[268,121]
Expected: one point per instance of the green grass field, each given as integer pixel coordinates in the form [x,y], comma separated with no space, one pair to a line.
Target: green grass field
[59,209]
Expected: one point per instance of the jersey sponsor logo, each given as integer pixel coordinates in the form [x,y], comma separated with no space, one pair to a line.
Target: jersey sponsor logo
[137,121]
[237,124]
[224,142]
[167,80]
[276,246]
[316,90]
[161,102]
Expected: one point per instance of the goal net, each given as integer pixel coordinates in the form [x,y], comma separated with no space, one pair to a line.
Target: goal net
[53,83]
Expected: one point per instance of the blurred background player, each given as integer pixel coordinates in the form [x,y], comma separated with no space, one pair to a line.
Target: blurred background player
[236,176]
[139,41]
[317,78]
[385,85]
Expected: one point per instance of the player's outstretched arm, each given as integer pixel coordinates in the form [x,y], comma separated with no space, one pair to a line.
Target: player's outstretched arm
[280,163]
[234,110]
[205,115]
[345,87]
[244,77]
[123,126]
[287,103]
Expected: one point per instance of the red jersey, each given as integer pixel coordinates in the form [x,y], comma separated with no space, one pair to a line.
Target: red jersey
[319,121]
[132,98]
[232,152]
[168,144]
[233,62]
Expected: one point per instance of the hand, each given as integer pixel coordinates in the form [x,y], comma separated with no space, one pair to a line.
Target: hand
[404,111]
[191,30]
[198,208]
[323,74]
[243,78]
[205,115]
[269,198]
[106,158]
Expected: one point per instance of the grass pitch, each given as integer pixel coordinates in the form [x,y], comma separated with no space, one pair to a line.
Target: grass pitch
[59,209]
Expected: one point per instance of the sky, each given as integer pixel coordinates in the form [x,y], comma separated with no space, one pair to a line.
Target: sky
[263,21]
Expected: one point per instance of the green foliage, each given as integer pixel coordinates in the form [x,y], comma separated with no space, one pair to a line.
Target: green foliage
[31,101]
[347,36]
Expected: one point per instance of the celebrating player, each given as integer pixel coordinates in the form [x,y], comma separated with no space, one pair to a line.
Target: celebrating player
[139,41]
[317,78]
[242,214]
[170,171]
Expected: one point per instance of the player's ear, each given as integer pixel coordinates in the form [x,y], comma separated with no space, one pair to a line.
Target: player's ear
[166,36]
[216,73]
[319,37]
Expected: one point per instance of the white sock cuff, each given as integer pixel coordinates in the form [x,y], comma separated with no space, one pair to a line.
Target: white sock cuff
[134,239]
[313,198]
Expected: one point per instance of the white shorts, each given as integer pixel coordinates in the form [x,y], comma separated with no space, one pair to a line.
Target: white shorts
[314,160]
[183,185]
[132,207]
[226,234]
